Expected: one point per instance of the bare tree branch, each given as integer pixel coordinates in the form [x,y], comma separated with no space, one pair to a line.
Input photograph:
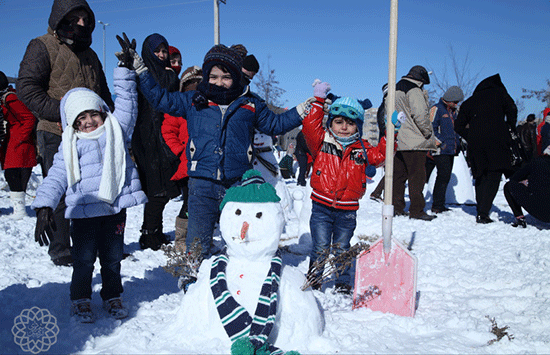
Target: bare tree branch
[541,95]
[460,75]
[267,87]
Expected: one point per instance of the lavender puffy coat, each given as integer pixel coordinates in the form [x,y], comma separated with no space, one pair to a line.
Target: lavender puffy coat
[81,198]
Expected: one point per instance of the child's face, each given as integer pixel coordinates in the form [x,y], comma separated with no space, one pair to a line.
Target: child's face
[219,78]
[89,121]
[175,60]
[343,127]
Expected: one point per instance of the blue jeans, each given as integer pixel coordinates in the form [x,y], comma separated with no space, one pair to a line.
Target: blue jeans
[92,236]
[330,226]
[205,197]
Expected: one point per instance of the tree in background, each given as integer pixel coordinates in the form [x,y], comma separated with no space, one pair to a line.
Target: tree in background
[521,107]
[267,87]
[458,74]
[541,95]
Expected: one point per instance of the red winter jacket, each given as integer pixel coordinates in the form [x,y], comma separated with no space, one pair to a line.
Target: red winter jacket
[174,132]
[338,179]
[539,128]
[18,149]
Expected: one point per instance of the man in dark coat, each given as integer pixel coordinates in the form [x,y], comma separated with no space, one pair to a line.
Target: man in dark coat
[302,155]
[53,64]
[484,120]
[528,136]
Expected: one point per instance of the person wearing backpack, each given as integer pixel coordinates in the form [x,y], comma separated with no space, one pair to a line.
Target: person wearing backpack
[17,151]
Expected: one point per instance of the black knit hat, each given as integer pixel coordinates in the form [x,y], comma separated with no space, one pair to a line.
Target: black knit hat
[3,81]
[251,64]
[420,73]
[231,58]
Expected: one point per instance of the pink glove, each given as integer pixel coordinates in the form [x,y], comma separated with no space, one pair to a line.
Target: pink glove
[320,89]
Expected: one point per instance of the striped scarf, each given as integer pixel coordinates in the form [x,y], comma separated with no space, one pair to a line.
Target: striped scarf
[235,319]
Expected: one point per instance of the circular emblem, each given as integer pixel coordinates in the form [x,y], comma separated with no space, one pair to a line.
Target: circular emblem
[35,330]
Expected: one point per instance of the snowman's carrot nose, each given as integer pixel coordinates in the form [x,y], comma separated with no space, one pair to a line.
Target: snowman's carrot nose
[244,230]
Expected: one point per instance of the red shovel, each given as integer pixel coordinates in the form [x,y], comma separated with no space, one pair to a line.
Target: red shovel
[385,275]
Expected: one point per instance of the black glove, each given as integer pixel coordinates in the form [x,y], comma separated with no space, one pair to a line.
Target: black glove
[199,100]
[45,226]
[126,57]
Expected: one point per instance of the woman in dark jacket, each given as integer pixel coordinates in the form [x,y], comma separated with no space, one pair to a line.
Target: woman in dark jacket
[156,163]
[529,188]
[483,121]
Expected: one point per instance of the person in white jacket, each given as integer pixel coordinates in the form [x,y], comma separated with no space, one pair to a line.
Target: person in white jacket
[93,168]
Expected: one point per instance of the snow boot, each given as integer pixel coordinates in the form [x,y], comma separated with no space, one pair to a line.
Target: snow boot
[115,308]
[181,233]
[82,310]
[153,239]
[18,202]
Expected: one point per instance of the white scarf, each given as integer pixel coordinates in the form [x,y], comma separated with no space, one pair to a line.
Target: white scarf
[113,175]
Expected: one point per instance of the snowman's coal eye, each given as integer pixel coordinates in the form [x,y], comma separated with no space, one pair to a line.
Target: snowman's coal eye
[238,212]
[259,215]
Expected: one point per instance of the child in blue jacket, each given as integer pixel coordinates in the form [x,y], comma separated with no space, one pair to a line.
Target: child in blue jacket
[93,170]
[221,117]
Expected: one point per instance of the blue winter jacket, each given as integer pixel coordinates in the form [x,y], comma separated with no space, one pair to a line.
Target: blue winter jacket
[220,145]
[444,128]
[81,198]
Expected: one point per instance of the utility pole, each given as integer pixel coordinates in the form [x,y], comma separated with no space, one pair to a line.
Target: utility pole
[217,21]
[104,25]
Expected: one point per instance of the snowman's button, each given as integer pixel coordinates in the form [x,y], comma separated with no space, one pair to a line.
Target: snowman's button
[241,276]
[238,292]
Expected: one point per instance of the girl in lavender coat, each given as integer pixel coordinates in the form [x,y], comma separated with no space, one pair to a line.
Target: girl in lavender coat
[93,170]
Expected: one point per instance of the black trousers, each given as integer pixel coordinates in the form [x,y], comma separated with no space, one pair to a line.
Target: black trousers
[518,196]
[152,213]
[486,187]
[60,243]
[17,178]
[444,164]
[302,163]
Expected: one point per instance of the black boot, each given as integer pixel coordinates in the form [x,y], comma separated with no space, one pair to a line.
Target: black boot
[152,239]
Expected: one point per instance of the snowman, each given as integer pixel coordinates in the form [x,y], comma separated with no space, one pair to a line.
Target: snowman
[266,163]
[246,300]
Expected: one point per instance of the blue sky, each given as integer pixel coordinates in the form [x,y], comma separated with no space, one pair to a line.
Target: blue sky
[344,42]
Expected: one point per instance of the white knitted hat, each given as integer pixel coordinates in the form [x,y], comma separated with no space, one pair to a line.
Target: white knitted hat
[82,100]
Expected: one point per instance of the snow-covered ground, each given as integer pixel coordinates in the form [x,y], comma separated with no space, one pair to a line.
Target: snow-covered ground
[467,274]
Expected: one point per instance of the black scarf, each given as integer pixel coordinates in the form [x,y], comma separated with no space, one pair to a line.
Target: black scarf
[79,38]
[218,94]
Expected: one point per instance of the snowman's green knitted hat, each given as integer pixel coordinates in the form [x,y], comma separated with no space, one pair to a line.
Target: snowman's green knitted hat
[253,188]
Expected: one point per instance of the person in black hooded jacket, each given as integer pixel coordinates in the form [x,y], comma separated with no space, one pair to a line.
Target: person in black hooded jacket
[156,163]
[53,64]
[483,121]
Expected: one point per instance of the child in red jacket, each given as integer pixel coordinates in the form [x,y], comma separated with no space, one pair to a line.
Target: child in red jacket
[342,163]
[17,152]
[174,132]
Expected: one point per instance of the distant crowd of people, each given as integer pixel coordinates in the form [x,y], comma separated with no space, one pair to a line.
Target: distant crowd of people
[167,135]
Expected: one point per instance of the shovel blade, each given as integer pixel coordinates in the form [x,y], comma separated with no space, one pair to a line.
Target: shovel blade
[386,283]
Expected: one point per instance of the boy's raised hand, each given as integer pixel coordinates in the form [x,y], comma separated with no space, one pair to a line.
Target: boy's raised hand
[320,89]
